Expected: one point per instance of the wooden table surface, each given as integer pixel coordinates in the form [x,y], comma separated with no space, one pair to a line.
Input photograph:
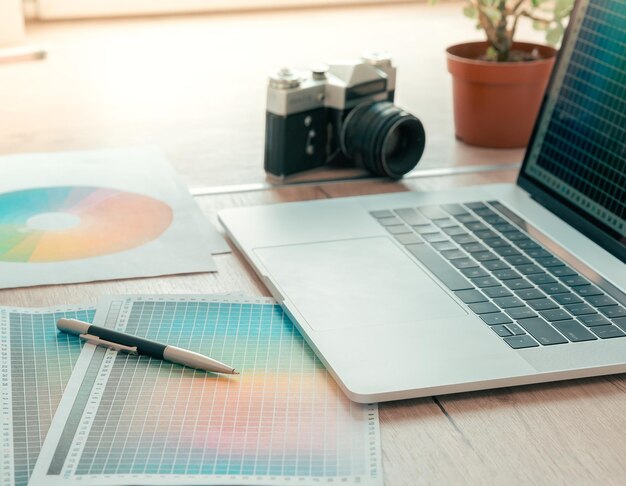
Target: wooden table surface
[118,83]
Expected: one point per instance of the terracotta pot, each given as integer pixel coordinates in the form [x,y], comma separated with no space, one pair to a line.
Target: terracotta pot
[496,103]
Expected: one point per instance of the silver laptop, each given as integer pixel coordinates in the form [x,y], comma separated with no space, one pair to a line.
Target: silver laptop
[416,294]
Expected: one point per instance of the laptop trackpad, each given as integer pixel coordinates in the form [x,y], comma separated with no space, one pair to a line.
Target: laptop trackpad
[355,283]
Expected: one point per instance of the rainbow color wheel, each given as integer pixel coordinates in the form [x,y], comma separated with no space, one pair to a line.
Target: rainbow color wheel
[54,224]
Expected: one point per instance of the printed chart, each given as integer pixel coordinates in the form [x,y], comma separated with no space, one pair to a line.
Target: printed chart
[70,223]
[69,217]
[36,362]
[133,420]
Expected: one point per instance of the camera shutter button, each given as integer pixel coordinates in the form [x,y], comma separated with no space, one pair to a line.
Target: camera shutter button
[285,78]
[318,71]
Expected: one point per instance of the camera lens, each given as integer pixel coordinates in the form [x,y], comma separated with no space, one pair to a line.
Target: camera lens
[383,138]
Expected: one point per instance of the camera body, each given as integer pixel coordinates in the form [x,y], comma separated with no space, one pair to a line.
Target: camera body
[307,118]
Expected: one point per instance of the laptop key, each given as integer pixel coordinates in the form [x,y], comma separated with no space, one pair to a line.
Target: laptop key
[496,318]
[530,294]
[483,308]
[553,288]
[454,209]
[518,313]
[390,221]
[517,284]
[474,272]
[541,278]
[538,253]
[579,309]
[600,300]
[433,212]
[573,331]
[494,264]
[520,342]
[506,274]
[464,263]
[446,223]
[452,254]
[463,239]
[485,234]
[607,332]
[504,227]
[495,242]
[483,282]
[398,229]
[527,244]
[440,267]
[508,302]
[587,290]
[423,229]
[411,216]
[506,251]
[476,205]
[408,239]
[516,260]
[474,247]
[562,271]
[574,280]
[621,323]
[454,231]
[444,245]
[555,315]
[475,226]
[466,218]
[487,256]
[594,320]
[568,298]
[495,292]
[548,261]
[531,269]
[470,296]
[384,213]
[435,237]
[613,311]
[501,331]
[542,304]
[542,331]
[515,329]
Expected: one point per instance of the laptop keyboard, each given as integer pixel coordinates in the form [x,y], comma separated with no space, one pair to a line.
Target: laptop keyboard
[514,284]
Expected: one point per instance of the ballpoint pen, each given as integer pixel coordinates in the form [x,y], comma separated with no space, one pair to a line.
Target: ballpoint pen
[140,346]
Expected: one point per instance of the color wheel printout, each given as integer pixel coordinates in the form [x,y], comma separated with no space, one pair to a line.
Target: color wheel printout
[36,362]
[134,420]
[97,215]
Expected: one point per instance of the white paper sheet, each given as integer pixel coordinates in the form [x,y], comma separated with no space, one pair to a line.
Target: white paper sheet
[98,215]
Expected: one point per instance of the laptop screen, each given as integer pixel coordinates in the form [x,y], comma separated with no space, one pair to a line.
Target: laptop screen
[576,161]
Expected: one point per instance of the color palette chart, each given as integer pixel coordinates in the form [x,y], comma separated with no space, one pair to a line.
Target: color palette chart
[36,362]
[52,224]
[134,420]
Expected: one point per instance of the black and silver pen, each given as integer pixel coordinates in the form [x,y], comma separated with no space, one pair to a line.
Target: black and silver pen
[136,345]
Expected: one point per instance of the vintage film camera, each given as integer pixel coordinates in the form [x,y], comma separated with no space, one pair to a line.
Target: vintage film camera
[341,114]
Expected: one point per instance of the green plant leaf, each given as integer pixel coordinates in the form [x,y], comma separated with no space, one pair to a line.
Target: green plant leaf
[493,13]
[553,35]
[492,54]
[470,11]
[541,25]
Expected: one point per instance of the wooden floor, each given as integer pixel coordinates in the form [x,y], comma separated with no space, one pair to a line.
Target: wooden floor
[200,98]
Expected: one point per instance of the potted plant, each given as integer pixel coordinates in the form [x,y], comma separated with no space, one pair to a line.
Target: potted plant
[498,84]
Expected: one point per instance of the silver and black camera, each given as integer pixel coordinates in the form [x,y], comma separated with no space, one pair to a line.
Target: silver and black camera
[341,114]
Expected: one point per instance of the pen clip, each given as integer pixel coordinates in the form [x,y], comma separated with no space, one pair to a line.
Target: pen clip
[101,342]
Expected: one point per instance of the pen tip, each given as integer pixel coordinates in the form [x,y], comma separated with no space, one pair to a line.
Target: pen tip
[235,372]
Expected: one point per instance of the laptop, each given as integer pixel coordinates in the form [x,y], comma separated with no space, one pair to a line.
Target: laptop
[426,293]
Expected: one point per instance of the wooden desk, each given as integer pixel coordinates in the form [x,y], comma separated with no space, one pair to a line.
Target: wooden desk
[93,92]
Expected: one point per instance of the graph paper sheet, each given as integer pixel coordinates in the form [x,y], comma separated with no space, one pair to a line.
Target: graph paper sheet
[134,420]
[36,362]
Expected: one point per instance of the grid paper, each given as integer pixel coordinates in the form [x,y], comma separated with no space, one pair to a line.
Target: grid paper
[582,154]
[36,362]
[135,420]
